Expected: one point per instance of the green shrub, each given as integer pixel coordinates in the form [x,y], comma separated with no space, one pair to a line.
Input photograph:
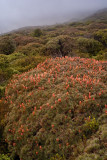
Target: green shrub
[101,36]
[91,126]
[59,46]
[27,63]
[90,46]
[92,145]
[29,49]
[5,72]
[102,55]
[89,157]
[7,45]
[2,91]
[14,56]
[37,32]
[4,157]
[4,63]
[57,157]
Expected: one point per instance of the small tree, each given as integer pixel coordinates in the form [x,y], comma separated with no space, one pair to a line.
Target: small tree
[37,32]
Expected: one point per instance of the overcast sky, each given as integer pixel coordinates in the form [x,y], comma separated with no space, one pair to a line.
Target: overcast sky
[19,13]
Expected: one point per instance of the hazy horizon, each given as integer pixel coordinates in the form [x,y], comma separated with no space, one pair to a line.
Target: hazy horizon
[21,13]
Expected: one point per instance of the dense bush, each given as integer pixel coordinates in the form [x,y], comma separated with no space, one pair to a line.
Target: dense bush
[5,72]
[102,55]
[4,157]
[101,36]
[50,108]
[89,157]
[7,45]
[59,46]
[3,110]
[90,46]
[37,32]
[24,40]
[2,91]
[75,24]
[30,49]
[90,126]
[57,157]
[27,63]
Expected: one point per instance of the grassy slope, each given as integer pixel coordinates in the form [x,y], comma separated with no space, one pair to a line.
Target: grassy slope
[58,107]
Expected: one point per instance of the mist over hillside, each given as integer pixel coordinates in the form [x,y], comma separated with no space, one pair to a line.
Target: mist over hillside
[48,20]
[17,14]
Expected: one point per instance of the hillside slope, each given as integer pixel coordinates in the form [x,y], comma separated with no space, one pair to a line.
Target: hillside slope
[100,15]
[58,108]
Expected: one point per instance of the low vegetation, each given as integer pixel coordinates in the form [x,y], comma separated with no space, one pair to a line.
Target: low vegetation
[4,157]
[59,46]
[101,36]
[90,46]
[56,107]
[7,45]
[37,32]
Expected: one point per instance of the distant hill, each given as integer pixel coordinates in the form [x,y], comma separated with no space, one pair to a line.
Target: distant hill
[100,15]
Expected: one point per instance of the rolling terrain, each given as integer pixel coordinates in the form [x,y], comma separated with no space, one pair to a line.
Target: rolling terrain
[53,91]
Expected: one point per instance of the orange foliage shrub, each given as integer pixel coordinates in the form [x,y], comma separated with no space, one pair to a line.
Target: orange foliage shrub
[50,104]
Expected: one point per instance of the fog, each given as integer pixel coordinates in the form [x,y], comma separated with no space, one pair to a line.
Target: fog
[19,13]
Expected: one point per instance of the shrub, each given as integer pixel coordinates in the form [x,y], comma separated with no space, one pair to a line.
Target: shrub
[37,32]
[50,106]
[24,40]
[7,45]
[27,63]
[90,46]
[4,63]
[14,56]
[92,145]
[91,126]
[101,36]
[5,72]
[4,157]
[102,55]
[3,111]
[59,46]
[89,157]
[57,157]
[2,91]
[29,49]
